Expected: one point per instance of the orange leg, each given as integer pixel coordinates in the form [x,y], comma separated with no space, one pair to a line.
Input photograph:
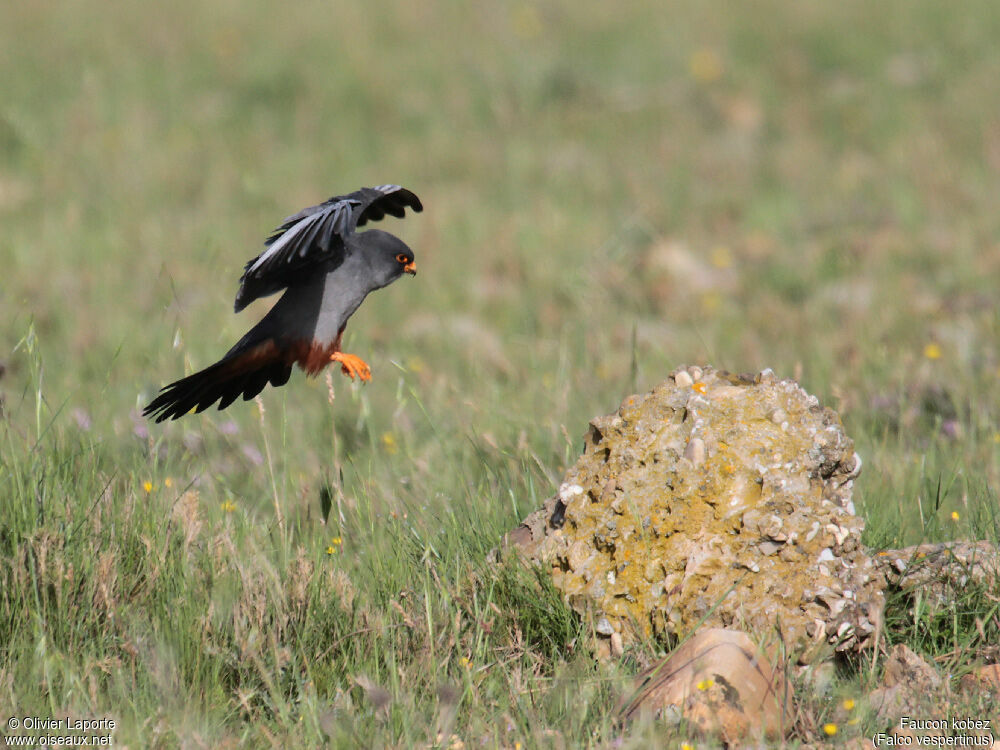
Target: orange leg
[351,365]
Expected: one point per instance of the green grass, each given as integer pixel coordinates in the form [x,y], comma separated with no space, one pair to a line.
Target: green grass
[610,191]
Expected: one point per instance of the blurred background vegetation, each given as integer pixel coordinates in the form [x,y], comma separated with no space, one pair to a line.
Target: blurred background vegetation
[611,190]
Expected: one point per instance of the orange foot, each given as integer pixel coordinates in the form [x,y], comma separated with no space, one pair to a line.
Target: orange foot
[351,365]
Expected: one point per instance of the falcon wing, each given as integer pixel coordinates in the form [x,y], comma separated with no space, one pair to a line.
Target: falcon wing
[316,236]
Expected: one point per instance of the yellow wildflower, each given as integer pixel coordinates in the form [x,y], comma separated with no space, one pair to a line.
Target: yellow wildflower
[148,486]
[848,704]
[954,515]
[711,302]
[932,351]
[168,482]
[830,729]
[526,21]
[389,441]
[705,65]
[228,506]
[721,256]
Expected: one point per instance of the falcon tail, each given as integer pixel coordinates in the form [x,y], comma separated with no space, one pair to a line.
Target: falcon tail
[255,361]
[243,371]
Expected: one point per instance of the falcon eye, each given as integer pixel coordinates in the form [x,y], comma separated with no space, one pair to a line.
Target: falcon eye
[401,258]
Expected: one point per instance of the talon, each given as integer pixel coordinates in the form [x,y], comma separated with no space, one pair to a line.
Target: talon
[351,365]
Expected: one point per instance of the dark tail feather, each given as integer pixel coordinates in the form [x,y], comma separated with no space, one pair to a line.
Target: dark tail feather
[243,372]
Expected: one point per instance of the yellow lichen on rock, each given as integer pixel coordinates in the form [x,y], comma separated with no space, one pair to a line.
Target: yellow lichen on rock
[716,500]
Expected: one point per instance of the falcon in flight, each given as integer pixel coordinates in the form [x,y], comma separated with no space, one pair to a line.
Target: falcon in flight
[326,270]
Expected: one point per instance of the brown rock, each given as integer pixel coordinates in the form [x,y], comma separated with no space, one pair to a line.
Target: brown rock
[904,667]
[908,682]
[989,676]
[720,682]
[983,678]
[715,500]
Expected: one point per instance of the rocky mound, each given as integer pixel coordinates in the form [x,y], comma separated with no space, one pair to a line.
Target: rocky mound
[713,500]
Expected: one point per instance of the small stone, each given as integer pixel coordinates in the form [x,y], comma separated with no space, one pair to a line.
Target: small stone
[579,553]
[751,520]
[816,629]
[608,492]
[603,626]
[654,571]
[789,553]
[695,451]
[568,491]
[765,377]
[983,678]
[853,473]
[683,380]
[839,532]
[771,527]
[834,604]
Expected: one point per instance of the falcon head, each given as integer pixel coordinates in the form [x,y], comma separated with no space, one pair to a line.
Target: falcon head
[388,256]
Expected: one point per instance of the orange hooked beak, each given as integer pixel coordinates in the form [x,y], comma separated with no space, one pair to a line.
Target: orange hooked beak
[411,268]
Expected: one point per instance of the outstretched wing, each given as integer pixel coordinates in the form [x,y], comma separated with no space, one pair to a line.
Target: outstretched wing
[315,236]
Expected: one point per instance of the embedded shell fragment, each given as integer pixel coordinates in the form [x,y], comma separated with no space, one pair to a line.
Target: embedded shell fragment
[713,500]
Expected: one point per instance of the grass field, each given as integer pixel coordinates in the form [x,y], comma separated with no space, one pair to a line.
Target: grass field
[611,190]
